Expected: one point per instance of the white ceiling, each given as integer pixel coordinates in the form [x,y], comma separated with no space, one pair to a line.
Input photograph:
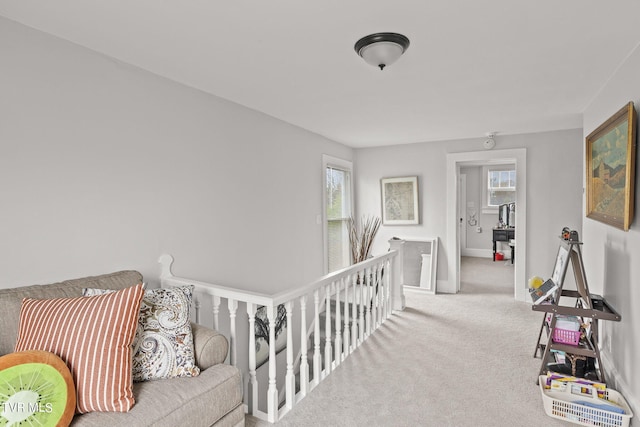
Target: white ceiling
[472,67]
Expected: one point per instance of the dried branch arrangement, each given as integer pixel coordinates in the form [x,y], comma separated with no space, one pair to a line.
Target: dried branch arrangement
[361,239]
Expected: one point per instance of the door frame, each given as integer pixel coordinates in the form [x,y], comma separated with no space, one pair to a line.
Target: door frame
[462,210]
[454,161]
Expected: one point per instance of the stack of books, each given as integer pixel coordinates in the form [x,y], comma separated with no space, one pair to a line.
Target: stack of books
[543,292]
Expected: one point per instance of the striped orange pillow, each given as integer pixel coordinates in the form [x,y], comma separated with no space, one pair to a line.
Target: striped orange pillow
[93,335]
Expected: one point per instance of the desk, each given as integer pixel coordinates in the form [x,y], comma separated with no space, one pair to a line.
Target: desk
[504,235]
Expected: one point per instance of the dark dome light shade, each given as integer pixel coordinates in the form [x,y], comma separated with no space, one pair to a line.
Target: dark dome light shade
[381,49]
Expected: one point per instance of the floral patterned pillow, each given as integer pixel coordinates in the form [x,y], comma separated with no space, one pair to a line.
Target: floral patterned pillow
[163,346]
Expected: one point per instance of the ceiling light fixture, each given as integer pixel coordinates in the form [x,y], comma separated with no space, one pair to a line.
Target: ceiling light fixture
[381,49]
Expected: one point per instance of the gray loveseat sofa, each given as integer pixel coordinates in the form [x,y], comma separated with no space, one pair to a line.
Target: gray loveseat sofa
[212,398]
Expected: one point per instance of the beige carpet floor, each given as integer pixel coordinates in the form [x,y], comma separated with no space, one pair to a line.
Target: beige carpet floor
[446,360]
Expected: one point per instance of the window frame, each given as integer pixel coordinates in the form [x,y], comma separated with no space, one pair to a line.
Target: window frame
[345,165]
[486,207]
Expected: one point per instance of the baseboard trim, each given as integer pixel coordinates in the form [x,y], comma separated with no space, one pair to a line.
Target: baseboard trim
[442,287]
[478,253]
[619,384]
[418,289]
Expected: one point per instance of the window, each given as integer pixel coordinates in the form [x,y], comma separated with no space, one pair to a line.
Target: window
[498,186]
[338,208]
[501,187]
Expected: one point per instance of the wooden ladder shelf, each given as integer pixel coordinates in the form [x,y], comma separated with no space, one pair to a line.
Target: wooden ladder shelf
[590,308]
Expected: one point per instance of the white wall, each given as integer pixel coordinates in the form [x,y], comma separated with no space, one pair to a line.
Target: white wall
[610,263]
[554,179]
[104,167]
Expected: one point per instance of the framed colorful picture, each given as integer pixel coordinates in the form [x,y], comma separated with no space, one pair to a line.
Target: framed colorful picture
[400,201]
[610,167]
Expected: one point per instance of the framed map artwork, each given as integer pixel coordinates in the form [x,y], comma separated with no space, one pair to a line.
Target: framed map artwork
[400,201]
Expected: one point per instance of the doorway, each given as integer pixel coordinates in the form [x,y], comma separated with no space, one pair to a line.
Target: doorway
[454,162]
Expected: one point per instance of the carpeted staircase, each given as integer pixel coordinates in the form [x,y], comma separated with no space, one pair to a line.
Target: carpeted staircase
[323,340]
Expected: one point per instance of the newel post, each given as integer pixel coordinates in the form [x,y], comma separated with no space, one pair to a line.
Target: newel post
[397,279]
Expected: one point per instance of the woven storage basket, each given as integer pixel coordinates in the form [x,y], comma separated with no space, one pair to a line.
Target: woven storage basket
[564,406]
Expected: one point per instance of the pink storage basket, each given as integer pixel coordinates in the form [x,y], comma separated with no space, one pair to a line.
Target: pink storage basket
[565,336]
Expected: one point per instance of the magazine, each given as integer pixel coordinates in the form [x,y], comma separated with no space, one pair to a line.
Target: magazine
[545,290]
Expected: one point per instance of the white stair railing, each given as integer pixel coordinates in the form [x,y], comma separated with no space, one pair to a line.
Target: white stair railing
[354,301]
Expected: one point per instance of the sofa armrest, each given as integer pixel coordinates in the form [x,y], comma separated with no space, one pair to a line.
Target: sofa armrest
[210,346]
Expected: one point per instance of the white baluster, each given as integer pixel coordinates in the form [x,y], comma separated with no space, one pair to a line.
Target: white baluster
[216,312]
[361,322]
[196,304]
[354,314]
[383,293]
[253,380]
[233,343]
[327,330]
[338,344]
[372,302]
[317,358]
[389,286]
[379,293]
[374,298]
[304,363]
[346,337]
[367,300]
[290,379]
[272,391]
